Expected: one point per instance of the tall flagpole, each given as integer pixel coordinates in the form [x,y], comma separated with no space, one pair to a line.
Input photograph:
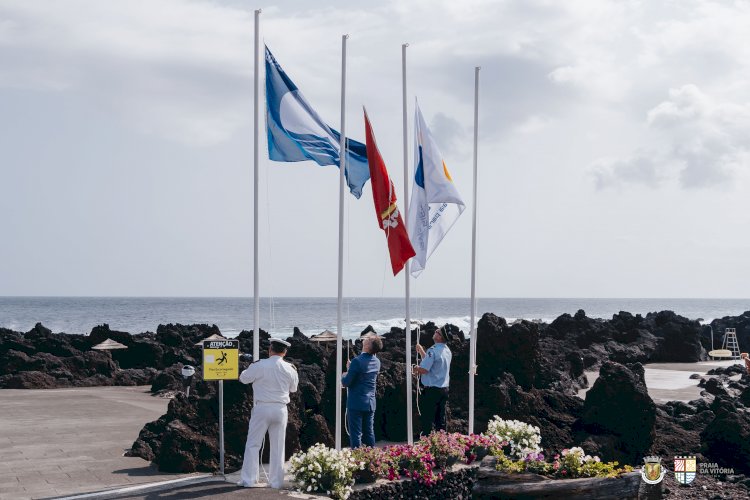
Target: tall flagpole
[256,283]
[339,313]
[407,330]
[473,340]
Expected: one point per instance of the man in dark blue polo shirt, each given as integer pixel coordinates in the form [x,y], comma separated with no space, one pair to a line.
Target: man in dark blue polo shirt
[361,379]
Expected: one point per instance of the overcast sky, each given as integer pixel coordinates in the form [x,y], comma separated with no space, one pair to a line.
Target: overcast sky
[613,146]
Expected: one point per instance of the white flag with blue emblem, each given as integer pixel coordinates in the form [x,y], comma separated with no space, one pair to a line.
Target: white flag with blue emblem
[297,133]
[435,203]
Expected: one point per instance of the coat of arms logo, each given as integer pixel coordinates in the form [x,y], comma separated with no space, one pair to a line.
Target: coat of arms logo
[652,471]
[390,217]
[685,469]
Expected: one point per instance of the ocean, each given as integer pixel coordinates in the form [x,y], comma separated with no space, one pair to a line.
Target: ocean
[313,315]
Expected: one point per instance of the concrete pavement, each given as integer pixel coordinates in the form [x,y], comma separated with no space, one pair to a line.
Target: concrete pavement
[63,441]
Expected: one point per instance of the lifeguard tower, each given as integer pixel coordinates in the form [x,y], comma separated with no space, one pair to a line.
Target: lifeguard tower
[730,348]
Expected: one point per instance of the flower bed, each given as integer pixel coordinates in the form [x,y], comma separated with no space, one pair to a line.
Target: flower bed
[514,448]
[521,438]
[492,483]
[455,484]
[572,463]
[325,470]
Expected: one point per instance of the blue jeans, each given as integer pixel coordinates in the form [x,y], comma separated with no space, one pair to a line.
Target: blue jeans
[361,427]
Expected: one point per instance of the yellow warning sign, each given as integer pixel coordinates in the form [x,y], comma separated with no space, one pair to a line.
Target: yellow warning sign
[221,359]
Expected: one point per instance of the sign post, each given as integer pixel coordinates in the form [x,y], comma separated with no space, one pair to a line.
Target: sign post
[221,362]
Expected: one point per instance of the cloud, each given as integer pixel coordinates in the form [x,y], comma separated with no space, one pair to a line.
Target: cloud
[188,64]
[701,144]
[639,169]
[183,69]
[450,134]
[534,124]
[162,67]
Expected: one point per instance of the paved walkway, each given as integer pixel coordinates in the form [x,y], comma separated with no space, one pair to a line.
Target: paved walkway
[222,489]
[63,441]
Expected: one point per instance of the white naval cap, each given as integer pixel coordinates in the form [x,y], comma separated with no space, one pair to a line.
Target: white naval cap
[279,341]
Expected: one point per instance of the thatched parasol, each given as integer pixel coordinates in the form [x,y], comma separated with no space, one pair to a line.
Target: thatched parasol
[215,336]
[108,345]
[324,336]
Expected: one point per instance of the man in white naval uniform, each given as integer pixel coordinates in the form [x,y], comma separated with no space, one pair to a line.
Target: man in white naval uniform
[273,379]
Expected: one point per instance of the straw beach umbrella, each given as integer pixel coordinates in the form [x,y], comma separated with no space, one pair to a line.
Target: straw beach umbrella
[326,337]
[215,336]
[108,345]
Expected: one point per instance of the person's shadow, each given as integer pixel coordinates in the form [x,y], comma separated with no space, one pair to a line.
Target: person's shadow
[147,470]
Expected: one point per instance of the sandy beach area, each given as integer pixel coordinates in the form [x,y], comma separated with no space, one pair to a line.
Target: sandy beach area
[671,381]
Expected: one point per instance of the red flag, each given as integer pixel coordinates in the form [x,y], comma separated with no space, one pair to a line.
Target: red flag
[384,196]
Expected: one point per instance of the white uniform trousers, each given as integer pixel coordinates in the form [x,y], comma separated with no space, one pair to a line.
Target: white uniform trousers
[271,417]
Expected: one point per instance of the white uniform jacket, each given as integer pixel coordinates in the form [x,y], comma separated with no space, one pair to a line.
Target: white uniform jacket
[272,378]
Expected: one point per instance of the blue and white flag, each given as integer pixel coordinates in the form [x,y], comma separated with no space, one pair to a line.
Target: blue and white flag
[435,203]
[297,133]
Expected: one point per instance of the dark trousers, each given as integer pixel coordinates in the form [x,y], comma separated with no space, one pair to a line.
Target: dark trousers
[361,427]
[432,406]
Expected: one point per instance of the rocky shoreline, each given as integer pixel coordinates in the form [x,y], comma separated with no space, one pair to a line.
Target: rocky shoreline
[527,371]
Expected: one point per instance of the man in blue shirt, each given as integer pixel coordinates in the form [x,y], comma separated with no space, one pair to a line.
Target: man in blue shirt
[435,371]
[361,379]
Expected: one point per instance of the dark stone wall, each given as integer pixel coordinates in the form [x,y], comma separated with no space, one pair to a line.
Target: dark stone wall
[456,485]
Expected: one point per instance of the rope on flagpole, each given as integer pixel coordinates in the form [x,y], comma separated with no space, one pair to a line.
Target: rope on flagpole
[419,377]
[346,409]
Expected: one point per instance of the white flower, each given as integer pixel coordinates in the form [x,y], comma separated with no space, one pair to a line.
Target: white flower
[309,488]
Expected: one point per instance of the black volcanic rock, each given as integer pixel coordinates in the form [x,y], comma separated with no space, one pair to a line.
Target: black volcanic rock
[184,449]
[583,330]
[715,387]
[170,379]
[623,339]
[28,380]
[680,337]
[745,397]
[554,413]
[726,439]
[67,360]
[134,376]
[513,349]
[100,333]
[141,353]
[618,414]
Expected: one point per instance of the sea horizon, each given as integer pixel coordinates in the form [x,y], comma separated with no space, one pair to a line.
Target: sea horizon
[312,315]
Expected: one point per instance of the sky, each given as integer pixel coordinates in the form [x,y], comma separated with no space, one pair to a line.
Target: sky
[613,156]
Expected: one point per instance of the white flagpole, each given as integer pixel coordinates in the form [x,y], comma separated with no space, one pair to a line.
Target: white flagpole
[407,330]
[473,340]
[256,283]
[339,314]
